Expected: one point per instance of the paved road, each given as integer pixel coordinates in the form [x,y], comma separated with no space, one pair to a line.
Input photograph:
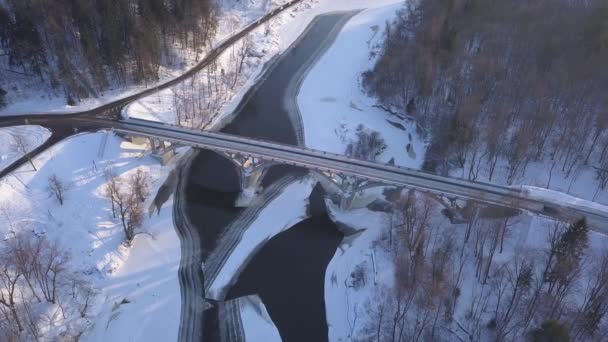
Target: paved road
[114,108]
[61,126]
[328,162]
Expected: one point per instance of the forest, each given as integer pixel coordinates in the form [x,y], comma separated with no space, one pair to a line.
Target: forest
[480,280]
[82,47]
[500,84]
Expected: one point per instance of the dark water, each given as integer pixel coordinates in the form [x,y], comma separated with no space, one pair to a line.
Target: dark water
[289,272]
[262,113]
[289,275]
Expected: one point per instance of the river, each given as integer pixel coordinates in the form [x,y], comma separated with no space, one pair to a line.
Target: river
[288,273]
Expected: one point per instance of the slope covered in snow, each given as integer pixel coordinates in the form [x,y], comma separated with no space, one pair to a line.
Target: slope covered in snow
[332,104]
[141,274]
[26,96]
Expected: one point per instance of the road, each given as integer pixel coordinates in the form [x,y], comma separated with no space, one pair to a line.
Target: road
[107,117]
[59,123]
[113,109]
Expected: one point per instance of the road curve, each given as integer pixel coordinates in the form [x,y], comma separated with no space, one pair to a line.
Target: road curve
[113,108]
[59,122]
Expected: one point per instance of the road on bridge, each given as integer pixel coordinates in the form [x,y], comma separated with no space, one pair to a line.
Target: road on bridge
[107,116]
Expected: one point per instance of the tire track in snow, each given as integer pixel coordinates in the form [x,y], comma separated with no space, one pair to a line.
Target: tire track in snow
[190,275]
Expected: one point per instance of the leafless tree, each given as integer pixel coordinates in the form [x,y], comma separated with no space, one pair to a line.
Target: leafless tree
[594,306]
[50,266]
[112,188]
[9,278]
[140,184]
[126,199]
[58,188]
[22,146]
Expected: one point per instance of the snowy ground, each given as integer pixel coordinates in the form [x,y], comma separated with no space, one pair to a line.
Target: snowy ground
[85,226]
[280,214]
[348,306]
[33,136]
[246,319]
[341,301]
[333,107]
[27,97]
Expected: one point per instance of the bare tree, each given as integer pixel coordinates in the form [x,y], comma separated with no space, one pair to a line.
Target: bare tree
[22,146]
[9,277]
[127,201]
[51,266]
[112,188]
[140,184]
[58,188]
[594,306]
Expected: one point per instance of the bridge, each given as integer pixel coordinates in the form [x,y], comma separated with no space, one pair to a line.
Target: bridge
[256,155]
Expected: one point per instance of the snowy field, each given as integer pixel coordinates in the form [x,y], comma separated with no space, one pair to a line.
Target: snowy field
[85,226]
[19,139]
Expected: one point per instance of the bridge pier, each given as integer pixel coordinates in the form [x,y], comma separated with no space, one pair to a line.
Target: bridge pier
[344,190]
[252,171]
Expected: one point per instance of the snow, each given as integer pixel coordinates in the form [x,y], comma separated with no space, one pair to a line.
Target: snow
[145,274]
[341,300]
[561,198]
[283,212]
[26,96]
[148,280]
[256,322]
[34,137]
[333,107]
[247,316]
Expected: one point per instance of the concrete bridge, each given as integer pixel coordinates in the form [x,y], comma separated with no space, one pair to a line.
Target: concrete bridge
[341,175]
[345,175]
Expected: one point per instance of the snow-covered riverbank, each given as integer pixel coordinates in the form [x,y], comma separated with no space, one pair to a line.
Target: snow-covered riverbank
[333,105]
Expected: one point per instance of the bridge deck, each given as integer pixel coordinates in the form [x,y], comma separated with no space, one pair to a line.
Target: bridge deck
[324,161]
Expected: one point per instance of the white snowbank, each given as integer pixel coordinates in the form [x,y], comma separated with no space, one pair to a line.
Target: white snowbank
[282,213]
[332,103]
[341,299]
[561,198]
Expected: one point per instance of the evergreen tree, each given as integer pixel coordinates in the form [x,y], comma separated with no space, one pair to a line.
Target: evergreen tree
[551,331]
[2,98]
[568,252]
